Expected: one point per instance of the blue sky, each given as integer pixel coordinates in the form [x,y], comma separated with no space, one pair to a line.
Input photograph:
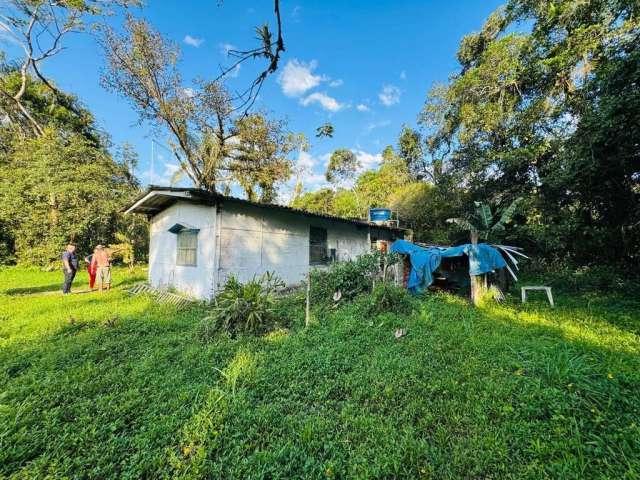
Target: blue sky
[364,66]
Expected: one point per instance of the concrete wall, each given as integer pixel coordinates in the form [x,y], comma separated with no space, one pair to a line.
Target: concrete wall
[244,240]
[255,240]
[195,281]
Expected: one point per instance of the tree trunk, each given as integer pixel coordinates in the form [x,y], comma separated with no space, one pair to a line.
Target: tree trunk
[478,283]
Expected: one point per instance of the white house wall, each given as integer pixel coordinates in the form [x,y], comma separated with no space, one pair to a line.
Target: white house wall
[196,281]
[256,240]
[247,241]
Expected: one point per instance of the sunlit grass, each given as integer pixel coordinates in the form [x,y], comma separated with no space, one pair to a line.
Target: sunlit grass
[115,386]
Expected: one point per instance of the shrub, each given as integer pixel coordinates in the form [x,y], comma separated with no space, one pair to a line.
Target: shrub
[351,278]
[289,309]
[386,297]
[582,278]
[243,307]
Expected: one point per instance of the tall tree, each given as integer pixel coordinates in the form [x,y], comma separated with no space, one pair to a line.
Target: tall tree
[214,143]
[411,151]
[55,189]
[39,28]
[63,185]
[342,168]
[58,110]
[531,113]
[259,160]
[142,67]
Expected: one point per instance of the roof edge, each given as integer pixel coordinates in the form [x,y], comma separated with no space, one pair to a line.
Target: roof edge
[203,195]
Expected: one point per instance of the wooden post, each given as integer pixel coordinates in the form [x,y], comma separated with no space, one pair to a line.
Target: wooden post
[384,268]
[477,282]
[307,313]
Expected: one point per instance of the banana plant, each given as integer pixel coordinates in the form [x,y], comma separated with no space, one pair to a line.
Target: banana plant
[480,223]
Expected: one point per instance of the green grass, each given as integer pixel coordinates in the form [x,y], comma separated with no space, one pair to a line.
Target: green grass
[128,390]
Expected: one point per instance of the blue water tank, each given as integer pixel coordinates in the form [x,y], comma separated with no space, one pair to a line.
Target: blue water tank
[379,214]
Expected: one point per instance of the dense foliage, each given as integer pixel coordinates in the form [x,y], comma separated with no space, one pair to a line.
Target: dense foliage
[350,278]
[120,387]
[545,107]
[372,188]
[386,297]
[217,143]
[63,185]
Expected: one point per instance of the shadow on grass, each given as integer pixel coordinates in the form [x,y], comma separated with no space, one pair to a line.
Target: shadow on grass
[32,290]
[57,287]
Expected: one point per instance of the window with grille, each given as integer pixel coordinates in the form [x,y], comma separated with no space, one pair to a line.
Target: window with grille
[317,246]
[187,254]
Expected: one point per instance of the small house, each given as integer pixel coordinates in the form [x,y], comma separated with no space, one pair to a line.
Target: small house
[199,239]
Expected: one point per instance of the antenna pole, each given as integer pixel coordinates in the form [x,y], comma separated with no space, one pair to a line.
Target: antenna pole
[151,164]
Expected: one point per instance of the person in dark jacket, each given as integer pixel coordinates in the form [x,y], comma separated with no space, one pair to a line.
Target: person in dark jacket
[69,267]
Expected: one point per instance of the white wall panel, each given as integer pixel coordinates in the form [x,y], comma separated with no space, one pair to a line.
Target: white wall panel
[163,272]
[252,240]
[255,240]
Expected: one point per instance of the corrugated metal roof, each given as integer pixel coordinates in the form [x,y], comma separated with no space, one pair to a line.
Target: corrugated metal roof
[159,202]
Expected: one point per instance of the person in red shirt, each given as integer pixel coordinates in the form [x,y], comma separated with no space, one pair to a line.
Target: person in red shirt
[91,268]
[103,268]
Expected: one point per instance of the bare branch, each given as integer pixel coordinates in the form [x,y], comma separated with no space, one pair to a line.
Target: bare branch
[250,95]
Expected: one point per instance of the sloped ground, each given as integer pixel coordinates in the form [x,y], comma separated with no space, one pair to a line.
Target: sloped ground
[126,389]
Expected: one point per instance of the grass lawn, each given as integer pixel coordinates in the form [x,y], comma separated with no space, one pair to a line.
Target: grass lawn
[109,386]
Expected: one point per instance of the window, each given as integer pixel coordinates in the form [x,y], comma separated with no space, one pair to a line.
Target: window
[317,246]
[187,253]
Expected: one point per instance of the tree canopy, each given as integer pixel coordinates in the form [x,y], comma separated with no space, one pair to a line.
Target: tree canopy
[214,142]
[545,107]
[62,185]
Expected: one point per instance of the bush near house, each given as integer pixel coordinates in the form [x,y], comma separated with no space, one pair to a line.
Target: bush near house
[118,387]
[351,278]
[243,307]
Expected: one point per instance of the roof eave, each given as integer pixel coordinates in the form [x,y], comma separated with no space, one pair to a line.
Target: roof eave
[141,205]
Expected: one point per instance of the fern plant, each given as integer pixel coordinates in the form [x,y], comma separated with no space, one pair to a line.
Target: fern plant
[243,307]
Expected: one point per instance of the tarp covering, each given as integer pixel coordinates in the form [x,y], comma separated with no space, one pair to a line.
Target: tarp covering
[483,258]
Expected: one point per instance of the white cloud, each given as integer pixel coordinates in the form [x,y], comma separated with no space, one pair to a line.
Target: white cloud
[295,13]
[308,169]
[193,41]
[325,159]
[189,92]
[373,125]
[305,162]
[403,75]
[297,77]
[336,83]
[390,95]
[170,169]
[367,160]
[324,100]
[361,107]
[234,72]
[226,47]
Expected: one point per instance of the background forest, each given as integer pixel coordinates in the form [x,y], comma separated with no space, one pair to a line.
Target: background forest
[545,107]
[550,115]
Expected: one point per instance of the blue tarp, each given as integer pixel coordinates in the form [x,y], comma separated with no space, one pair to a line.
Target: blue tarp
[483,258]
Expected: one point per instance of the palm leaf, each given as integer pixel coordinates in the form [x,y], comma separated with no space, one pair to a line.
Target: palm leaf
[511,249]
[484,215]
[176,177]
[507,214]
